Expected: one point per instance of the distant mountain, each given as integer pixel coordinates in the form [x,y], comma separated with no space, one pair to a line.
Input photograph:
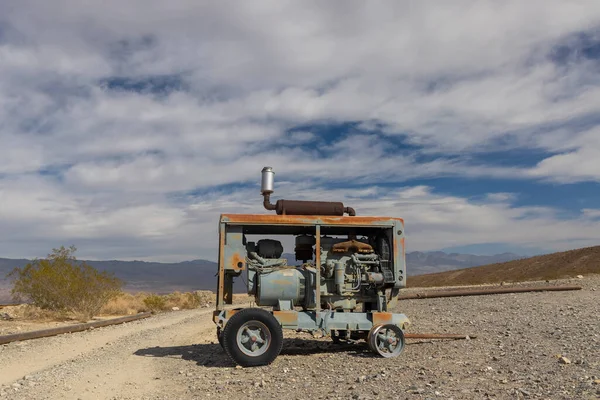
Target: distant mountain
[201,274]
[549,266]
[419,263]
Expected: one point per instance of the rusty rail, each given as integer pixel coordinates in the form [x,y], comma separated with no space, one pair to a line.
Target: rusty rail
[481,292]
[437,336]
[69,329]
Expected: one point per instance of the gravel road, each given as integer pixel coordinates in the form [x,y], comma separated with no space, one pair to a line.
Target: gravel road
[528,346]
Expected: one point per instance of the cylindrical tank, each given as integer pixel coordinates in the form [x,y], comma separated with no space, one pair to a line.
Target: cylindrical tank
[268,177]
[301,207]
[283,284]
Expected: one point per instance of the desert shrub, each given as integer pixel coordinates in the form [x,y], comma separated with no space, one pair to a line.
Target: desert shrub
[60,283]
[125,304]
[155,302]
[185,300]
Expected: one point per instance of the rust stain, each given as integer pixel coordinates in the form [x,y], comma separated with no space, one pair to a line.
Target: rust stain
[305,219]
[286,317]
[381,318]
[354,245]
[237,262]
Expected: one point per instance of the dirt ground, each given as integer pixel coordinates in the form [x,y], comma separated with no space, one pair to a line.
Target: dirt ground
[528,346]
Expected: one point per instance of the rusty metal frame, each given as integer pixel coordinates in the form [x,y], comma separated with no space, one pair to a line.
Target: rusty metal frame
[312,221]
[221,272]
[306,220]
[317,318]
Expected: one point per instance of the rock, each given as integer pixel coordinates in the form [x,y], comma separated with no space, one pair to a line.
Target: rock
[175,308]
[361,379]
[6,317]
[525,392]
[564,360]
[579,276]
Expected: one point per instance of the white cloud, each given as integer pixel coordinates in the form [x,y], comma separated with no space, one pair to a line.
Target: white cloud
[459,78]
[591,213]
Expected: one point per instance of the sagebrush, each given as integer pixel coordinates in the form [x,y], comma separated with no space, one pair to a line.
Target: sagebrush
[61,283]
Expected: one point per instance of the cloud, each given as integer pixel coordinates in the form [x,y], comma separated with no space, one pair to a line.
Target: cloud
[141,121]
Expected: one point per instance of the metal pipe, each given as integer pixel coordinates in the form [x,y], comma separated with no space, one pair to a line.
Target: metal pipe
[481,292]
[437,336]
[71,328]
[339,275]
[267,202]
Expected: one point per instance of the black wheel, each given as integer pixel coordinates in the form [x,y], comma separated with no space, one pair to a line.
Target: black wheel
[252,337]
[386,340]
[220,336]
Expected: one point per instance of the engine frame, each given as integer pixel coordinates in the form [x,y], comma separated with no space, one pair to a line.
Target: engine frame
[233,262]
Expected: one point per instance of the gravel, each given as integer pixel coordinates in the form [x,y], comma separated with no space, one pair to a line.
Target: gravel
[528,346]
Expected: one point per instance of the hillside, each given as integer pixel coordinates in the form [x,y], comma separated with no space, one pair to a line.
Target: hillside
[550,266]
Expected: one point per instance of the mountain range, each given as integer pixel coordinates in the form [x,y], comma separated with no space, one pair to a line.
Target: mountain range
[201,274]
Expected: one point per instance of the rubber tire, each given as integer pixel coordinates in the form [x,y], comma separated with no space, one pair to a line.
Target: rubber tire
[371,339]
[235,323]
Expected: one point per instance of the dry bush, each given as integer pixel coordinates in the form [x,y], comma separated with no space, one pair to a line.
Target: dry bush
[60,283]
[125,304]
[155,302]
[29,312]
[206,297]
[182,301]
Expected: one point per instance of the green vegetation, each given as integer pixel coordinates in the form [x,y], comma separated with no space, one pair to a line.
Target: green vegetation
[60,283]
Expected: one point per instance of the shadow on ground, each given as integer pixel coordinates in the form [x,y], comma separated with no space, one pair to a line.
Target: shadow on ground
[212,355]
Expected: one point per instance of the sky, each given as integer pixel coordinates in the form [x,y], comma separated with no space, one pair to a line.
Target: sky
[126,128]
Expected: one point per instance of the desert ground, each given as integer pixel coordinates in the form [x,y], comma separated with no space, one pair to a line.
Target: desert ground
[527,346]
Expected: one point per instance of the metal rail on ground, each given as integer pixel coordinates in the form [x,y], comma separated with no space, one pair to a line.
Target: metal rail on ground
[481,292]
[70,328]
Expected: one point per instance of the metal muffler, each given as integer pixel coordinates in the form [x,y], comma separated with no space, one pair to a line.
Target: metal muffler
[298,207]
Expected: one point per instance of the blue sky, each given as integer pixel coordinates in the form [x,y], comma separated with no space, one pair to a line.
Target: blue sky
[126,128]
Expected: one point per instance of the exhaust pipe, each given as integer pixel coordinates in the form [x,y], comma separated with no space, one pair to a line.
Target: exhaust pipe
[266,187]
[298,207]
